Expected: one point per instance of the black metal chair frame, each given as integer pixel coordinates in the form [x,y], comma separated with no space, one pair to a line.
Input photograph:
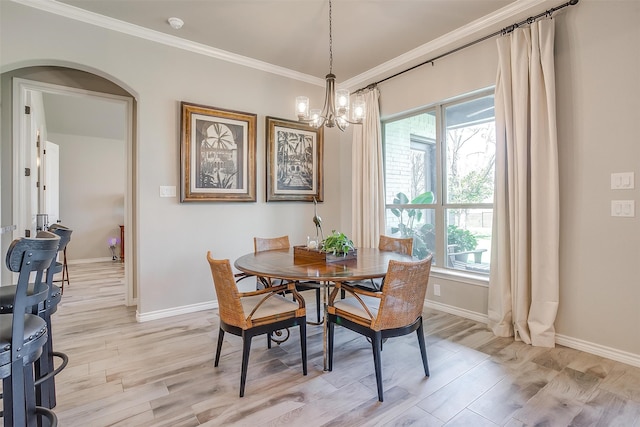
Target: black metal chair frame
[376,338]
[29,332]
[45,368]
[248,334]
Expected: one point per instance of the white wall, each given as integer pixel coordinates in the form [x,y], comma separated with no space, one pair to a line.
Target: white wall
[598,101]
[173,238]
[598,94]
[92,184]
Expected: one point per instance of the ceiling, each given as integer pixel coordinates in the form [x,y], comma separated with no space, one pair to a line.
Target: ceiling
[294,34]
[372,39]
[93,116]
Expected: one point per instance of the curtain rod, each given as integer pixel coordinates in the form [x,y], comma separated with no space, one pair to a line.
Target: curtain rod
[530,20]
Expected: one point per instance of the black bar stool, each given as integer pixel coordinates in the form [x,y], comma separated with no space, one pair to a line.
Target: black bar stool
[65,237]
[45,370]
[23,333]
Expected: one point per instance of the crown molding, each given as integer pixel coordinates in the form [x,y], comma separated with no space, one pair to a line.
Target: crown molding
[449,40]
[72,12]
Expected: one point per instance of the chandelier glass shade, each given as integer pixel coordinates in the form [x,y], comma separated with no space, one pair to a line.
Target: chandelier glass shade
[336,109]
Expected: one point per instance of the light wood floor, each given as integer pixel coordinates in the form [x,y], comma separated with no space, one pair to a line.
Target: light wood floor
[160,373]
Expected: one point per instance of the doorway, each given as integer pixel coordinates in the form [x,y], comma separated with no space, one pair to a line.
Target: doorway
[90,162]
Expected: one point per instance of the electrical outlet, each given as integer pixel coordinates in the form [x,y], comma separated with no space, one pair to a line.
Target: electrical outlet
[436,290]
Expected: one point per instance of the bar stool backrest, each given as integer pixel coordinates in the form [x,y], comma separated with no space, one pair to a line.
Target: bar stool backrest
[64,233]
[30,257]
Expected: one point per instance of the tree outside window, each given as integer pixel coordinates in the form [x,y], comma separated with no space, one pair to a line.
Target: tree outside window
[439,177]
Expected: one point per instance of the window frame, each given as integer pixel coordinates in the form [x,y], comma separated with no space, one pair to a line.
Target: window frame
[439,204]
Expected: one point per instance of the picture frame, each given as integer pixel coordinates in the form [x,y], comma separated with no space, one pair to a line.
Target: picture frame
[217,154]
[294,156]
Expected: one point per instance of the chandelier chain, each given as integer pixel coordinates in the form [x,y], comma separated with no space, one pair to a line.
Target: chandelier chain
[336,102]
[330,42]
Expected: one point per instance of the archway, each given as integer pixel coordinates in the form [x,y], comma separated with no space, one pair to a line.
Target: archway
[77,85]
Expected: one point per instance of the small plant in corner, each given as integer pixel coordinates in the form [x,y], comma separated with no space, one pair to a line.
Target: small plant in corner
[337,244]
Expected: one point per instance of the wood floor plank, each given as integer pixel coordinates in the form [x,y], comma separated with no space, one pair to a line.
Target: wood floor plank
[161,373]
[451,399]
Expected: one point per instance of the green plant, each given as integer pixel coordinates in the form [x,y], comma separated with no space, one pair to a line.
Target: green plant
[463,239]
[424,238]
[337,244]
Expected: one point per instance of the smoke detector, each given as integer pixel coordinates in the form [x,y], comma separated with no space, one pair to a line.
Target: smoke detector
[176,23]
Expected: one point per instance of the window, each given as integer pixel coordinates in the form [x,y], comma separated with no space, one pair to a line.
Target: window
[439,180]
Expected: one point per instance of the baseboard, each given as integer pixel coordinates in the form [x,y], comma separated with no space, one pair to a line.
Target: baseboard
[185,309]
[575,343]
[596,349]
[467,314]
[599,350]
[88,260]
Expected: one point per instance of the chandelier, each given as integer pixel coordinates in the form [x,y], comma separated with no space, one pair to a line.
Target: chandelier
[336,102]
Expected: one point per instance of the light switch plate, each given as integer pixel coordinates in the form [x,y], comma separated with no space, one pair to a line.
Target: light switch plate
[625,208]
[622,181]
[167,191]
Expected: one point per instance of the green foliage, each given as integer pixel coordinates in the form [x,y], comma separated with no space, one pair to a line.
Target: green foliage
[474,187]
[337,243]
[463,239]
[424,238]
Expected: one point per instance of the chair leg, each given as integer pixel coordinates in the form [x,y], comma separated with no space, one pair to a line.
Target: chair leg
[24,412]
[303,345]
[44,366]
[65,270]
[318,303]
[269,340]
[423,348]
[46,390]
[7,398]
[376,343]
[219,347]
[30,396]
[246,348]
[331,327]
[15,413]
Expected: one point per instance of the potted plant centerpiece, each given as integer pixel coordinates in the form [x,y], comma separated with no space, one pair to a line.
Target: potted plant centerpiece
[335,247]
[337,244]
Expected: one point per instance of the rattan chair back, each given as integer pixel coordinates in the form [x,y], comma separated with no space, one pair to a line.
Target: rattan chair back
[268,244]
[229,305]
[396,244]
[403,294]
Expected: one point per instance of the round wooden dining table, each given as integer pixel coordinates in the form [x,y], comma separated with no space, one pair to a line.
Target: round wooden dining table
[370,263]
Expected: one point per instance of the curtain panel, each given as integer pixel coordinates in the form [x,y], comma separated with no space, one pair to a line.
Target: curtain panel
[367,203]
[524,278]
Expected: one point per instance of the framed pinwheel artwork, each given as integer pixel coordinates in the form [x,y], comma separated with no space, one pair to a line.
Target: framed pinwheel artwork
[217,155]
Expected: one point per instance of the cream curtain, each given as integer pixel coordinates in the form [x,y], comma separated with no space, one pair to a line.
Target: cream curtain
[367,203]
[524,281]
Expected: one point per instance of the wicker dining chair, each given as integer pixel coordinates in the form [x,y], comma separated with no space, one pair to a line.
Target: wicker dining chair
[401,245]
[395,311]
[248,314]
[271,243]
